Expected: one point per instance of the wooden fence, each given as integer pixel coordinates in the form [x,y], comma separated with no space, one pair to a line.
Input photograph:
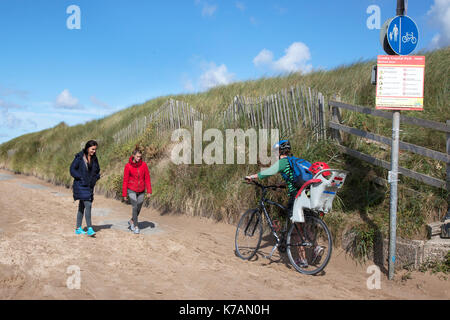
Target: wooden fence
[286,110]
[289,109]
[171,115]
[337,129]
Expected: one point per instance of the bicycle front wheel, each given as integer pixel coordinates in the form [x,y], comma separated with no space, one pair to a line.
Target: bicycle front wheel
[249,234]
[309,245]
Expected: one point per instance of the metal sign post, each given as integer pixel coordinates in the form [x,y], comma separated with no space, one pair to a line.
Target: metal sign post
[400,83]
[393,176]
[399,36]
[393,180]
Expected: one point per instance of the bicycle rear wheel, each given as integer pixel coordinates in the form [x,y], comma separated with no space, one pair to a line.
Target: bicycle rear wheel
[248,234]
[309,242]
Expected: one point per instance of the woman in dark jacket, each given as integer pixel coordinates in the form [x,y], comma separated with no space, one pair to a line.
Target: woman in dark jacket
[85,170]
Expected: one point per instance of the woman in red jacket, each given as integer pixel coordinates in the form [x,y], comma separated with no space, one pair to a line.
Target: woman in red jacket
[136,180]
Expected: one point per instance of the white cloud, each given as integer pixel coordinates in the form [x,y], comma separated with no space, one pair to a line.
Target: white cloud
[295,59]
[12,122]
[435,42]
[10,91]
[18,121]
[265,57]
[215,76]
[66,101]
[100,103]
[439,13]
[240,5]
[9,105]
[188,85]
[32,123]
[208,10]
[9,120]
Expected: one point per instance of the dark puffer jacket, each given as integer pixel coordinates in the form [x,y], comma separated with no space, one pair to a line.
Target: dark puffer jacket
[84,179]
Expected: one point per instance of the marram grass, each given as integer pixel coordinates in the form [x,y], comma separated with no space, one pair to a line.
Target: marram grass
[217,191]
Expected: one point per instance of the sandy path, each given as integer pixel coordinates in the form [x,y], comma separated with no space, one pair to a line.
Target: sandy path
[180,258]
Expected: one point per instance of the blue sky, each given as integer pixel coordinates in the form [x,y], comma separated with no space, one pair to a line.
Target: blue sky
[127,52]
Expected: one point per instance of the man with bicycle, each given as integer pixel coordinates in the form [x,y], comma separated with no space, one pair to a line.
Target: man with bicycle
[283,167]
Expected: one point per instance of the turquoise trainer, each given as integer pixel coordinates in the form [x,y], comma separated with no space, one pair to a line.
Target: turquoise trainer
[90,232]
[80,231]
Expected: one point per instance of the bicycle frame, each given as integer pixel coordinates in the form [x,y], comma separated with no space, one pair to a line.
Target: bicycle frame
[262,206]
[300,235]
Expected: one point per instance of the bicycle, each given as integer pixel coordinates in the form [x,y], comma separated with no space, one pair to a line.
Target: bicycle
[312,237]
[409,36]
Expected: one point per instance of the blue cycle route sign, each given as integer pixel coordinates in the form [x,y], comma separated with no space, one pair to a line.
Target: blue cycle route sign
[403,35]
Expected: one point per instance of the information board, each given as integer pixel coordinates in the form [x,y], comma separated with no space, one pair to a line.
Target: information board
[400,82]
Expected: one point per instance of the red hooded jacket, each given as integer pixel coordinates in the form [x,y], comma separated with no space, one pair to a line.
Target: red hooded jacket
[136,177]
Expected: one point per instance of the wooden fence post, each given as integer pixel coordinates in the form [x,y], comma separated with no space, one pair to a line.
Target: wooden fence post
[307,107]
[280,109]
[257,113]
[295,107]
[252,112]
[265,112]
[234,109]
[316,114]
[283,110]
[177,122]
[325,117]
[279,114]
[273,111]
[448,171]
[288,110]
[336,117]
[301,106]
[323,133]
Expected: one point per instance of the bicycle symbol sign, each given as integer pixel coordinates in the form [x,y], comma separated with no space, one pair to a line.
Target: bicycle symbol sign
[408,37]
[403,35]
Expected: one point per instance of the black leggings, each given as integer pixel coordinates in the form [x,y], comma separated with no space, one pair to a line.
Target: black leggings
[84,208]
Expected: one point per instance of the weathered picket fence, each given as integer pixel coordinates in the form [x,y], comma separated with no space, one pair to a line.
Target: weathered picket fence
[171,115]
[285,110]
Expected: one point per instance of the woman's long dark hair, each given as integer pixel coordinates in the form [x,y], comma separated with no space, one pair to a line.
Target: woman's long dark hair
[90,143]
